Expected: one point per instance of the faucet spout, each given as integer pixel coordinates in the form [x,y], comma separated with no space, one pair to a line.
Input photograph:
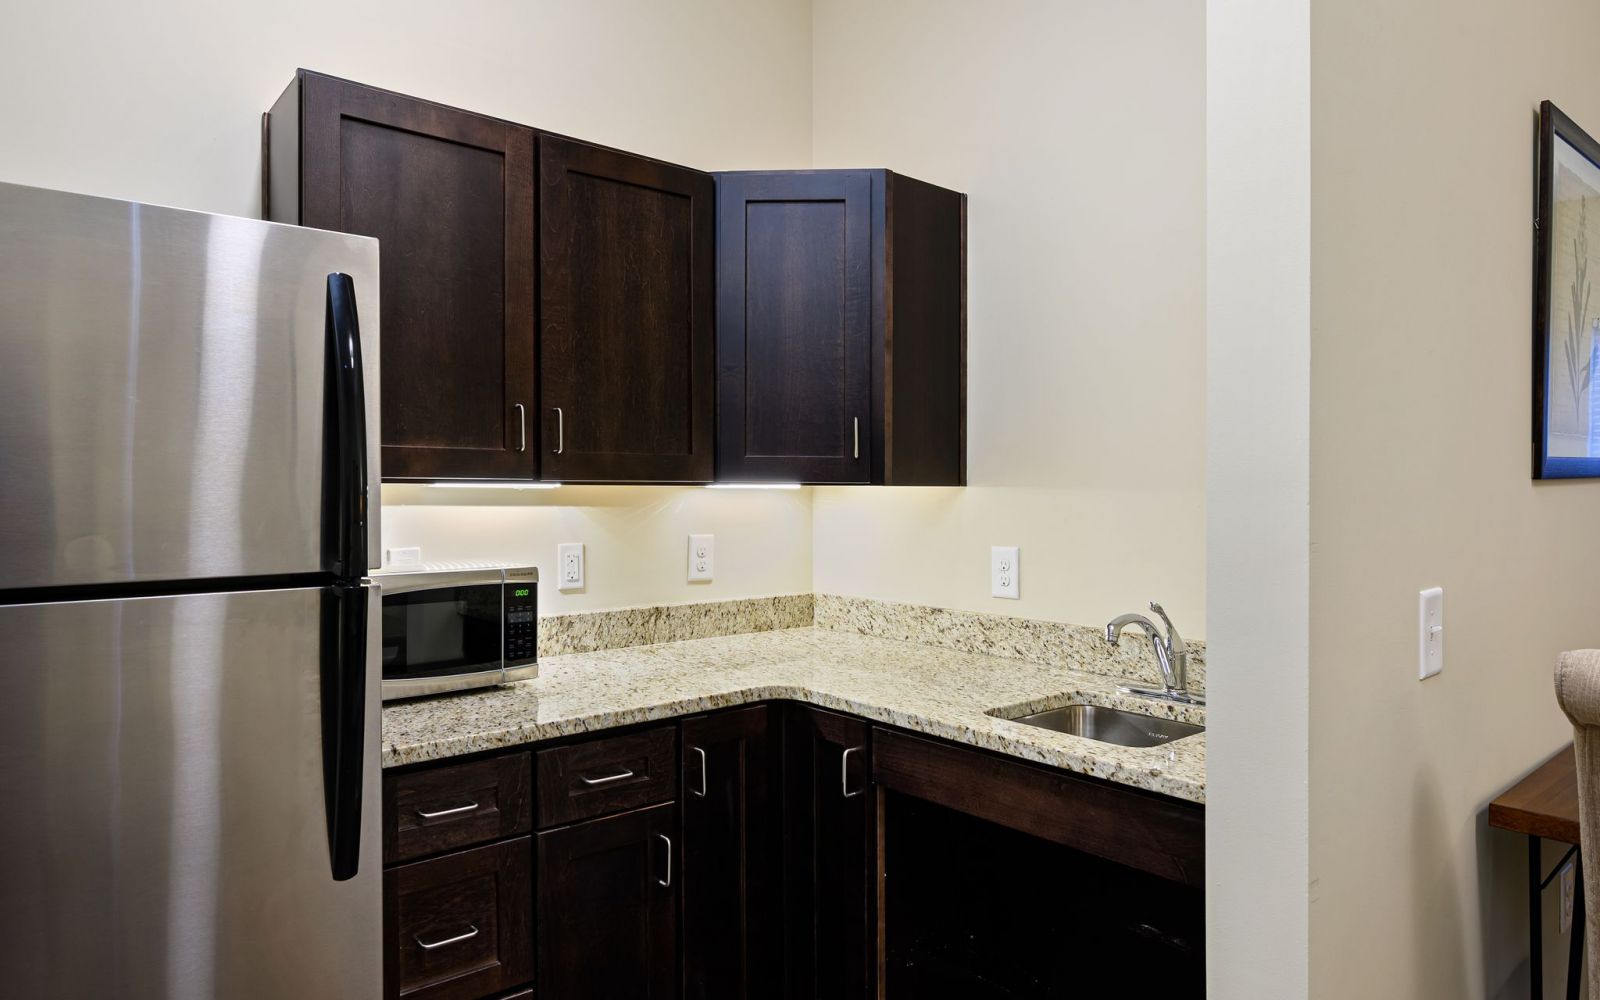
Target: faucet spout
[1172,653]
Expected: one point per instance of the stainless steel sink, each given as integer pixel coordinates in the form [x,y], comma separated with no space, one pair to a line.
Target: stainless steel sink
[1111,725]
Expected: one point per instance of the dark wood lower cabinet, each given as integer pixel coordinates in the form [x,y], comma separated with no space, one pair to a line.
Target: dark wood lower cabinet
[783,851]
[458,925]
[732,916]
[830,829]
[607,920]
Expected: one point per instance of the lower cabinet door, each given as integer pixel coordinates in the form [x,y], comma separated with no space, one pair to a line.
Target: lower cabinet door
[829,858]
[732,920]
[457,926]
[608,908]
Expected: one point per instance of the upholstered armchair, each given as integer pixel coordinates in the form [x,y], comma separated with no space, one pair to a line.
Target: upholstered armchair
[1578,691]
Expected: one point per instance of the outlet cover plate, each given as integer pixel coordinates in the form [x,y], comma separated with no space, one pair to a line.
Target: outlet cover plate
[1005,572]
[569,566]
[702,558]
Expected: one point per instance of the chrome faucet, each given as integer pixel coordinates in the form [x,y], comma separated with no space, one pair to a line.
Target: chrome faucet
[1172,655]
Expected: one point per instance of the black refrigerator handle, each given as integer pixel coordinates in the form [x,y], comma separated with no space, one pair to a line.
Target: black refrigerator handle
[344,700]
[344,450]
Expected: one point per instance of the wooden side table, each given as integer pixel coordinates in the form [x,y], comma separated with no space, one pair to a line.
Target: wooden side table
[1544,806]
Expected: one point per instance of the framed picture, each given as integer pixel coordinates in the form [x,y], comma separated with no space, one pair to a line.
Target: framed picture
[1566,312]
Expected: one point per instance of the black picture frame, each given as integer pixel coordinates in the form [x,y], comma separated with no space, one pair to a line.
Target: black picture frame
[1576,353]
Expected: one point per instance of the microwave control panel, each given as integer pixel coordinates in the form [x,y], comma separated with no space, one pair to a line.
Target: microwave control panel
[522,623]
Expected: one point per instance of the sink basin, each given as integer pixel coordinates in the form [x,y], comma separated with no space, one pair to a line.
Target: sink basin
[1111,725]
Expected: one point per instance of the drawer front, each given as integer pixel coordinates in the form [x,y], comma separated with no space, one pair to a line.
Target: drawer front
[460,926]
[607,775]
[447,808]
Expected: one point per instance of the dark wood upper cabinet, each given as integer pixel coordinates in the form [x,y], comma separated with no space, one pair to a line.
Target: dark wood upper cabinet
[829,858]
[841,328]
[607,908]
[450,196]
[732,914]
[627,332]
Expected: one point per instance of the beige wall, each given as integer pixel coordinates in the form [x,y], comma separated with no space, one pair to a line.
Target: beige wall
[1078,131]
[1422,128]
[161,102]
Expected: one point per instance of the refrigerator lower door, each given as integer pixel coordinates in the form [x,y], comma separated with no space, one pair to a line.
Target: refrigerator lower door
[166,831]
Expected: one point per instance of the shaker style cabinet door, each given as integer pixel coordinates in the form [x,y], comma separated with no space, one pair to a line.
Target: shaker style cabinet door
[449,195]
[732,917]
[829,856]
[607,906]
[794,326]
[626,273]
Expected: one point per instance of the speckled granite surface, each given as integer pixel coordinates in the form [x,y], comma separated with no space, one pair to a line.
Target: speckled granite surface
[1077,647]
[941,692]
[587,631]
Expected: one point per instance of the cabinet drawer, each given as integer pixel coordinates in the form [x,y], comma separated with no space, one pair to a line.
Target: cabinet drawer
[607,775]
[445,808]
[459,926]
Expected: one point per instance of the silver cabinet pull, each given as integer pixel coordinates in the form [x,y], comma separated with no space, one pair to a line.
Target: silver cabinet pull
[608,779]
[844,774]
[430,945]
[522,427]
[447,812]
[855,437]
[704,786]
[666,883]
[561,430]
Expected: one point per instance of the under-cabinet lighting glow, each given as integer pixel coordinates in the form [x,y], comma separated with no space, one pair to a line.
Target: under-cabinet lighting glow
[479,484]
[752,486]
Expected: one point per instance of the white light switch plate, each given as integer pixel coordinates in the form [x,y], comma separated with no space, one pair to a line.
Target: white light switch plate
[1430,632]
[702,557]
[1005,572]
[569,566]
[1568,887]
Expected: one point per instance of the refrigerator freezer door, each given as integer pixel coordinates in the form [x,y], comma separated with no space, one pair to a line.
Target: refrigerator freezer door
[166,832]
[162,373]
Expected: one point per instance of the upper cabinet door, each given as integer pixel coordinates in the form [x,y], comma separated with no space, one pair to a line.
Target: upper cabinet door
[449,195]
[794,332]
[627,330]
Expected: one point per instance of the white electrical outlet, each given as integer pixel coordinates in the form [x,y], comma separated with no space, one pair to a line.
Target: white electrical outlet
[402,557]
[702,557]
[1430,632]
[1568,887]
[1005,572]
[569,566]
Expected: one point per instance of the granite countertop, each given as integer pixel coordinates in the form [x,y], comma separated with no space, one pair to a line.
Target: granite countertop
[943,693]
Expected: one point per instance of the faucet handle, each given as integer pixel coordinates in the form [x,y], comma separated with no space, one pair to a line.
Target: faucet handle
[1175,641]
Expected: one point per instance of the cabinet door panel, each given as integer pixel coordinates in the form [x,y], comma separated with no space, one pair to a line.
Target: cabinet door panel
[450,196]
[608,904]
[830,827]
[795,326]
[627,335]
[731,835]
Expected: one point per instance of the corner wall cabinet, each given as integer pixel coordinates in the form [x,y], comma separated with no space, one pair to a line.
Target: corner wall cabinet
[841,328]
[554,309]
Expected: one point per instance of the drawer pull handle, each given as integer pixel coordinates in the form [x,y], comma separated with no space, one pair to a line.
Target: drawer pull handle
[608,779]
[666,883]
[704,785]
[844,774]
[430,945]
[448,812]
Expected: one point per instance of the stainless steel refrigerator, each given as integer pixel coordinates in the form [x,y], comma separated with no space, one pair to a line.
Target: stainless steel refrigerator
[189,680]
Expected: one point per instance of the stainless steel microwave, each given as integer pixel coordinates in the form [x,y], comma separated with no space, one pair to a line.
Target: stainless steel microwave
[453,629]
